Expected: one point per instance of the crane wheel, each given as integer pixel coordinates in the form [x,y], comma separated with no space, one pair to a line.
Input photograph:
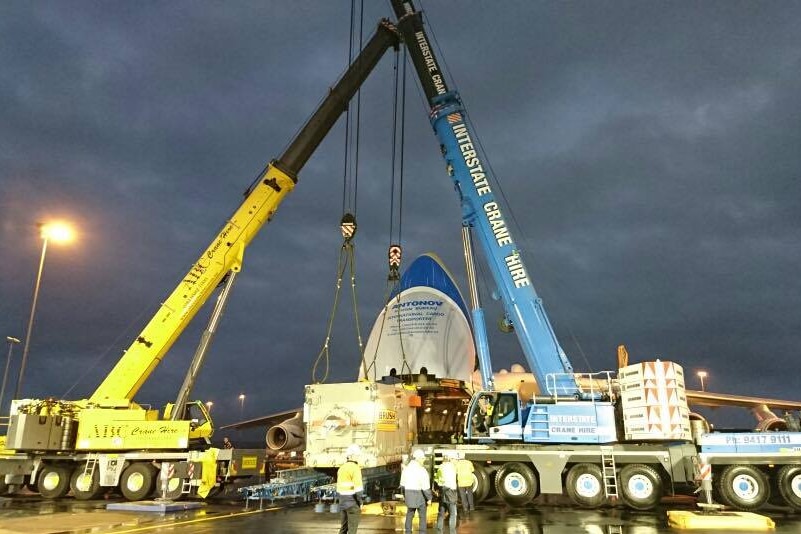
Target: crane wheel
[744,487]
[138,481]
[53,481]
[641,486]
[85,487]
[789,483]
[516,483]
[584,485]
[482,483]
[174,490]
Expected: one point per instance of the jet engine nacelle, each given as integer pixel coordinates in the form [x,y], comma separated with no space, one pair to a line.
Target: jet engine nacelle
[287,435]
[767,420]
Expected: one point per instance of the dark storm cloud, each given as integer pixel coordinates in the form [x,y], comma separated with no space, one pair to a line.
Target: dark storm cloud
[649,152]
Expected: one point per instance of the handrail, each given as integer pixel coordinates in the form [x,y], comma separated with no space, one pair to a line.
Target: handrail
[592,386]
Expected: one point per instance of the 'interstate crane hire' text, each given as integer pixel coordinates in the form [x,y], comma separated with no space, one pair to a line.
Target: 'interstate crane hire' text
[491,209]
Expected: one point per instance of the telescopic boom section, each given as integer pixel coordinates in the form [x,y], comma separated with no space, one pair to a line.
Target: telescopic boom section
[480,211]
[225,252]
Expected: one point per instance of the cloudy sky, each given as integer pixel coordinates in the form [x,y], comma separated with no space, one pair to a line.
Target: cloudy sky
[649,152]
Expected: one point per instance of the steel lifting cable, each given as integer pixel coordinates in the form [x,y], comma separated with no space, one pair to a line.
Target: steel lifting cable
[348,221]
[395,250]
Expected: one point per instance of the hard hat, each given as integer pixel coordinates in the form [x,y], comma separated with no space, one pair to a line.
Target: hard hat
[418,454]
[352,450]
[451,455]
[461,455]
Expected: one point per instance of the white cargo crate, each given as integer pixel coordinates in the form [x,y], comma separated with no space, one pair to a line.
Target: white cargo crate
[377,417]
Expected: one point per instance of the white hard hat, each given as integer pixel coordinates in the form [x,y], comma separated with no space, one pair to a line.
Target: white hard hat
[418,454]
[353,450]
[452,455]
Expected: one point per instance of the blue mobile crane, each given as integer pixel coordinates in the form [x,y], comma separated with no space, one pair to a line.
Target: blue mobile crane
[591,437]
[564,398]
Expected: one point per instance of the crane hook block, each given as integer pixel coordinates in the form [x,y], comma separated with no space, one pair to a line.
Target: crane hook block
[348,226]
[394,255]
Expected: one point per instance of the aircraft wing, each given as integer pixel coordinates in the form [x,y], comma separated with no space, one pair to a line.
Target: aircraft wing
[264,420]
[708,398]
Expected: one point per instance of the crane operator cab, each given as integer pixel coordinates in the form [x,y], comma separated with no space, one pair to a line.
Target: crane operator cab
[494,415]
[201,427]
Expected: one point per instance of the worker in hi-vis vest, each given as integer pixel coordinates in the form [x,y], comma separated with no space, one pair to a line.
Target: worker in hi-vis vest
[464,479]
[349,490]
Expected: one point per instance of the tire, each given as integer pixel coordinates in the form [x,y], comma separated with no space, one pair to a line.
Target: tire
[53,481]
[744,487]
[516,484]
[641,486]
[482,484]
[85,488]
[138,481]
[4,490]
[174,489]
[788,481]
[584,485]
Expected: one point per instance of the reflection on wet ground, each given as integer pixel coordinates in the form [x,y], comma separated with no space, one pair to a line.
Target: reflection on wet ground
[31,515]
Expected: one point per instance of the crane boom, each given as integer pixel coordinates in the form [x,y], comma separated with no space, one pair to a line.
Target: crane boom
[480,211]
[226,250]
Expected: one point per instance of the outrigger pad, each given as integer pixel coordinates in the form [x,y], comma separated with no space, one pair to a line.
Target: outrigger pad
[155,506]
[688,519]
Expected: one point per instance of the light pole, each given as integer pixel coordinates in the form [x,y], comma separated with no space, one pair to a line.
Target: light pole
[59,233]
[241,405]
[11,342]
[701,376]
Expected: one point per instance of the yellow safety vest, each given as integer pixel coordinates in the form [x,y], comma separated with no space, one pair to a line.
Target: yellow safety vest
[349,479]
[464,473]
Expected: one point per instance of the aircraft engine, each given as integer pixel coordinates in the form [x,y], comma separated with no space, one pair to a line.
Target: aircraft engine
[767,420]
[287,435]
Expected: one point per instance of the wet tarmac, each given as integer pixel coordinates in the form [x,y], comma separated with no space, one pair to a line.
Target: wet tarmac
[32,515]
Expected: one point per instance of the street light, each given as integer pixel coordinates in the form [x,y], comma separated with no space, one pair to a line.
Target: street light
[701,376]
[209,404]
[11,342]
[58,232]
[241,405]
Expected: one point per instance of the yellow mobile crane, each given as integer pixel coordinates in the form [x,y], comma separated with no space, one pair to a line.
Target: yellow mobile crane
[109,440]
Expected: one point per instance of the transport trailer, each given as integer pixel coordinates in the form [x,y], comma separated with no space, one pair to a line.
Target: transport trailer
[747,469]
